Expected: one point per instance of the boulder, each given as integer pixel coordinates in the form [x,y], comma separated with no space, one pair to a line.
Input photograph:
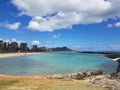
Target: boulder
[76,76]
[118,68]
[115,76]
[80,76]
[99,72]
[73,75]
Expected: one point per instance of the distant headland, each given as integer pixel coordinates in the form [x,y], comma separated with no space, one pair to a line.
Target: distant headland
[7,47]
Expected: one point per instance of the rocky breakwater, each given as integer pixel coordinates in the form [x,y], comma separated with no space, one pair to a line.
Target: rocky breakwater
[105,81]
[111,81]
[96,78]
[118,70]
[75,76]
[115,57]
[116,75]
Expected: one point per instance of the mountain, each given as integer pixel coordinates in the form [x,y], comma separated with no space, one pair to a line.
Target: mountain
[60,49]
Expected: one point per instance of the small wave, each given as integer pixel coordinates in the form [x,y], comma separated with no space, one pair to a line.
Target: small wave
[115,59]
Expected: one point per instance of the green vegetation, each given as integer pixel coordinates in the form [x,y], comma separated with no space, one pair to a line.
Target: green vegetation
[70,87]
[54,85]
[7,83]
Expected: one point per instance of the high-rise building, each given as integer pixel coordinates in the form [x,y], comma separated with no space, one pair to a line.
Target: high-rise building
[35,48]
[14,46]
[42,49]
[23,47]
[1,44]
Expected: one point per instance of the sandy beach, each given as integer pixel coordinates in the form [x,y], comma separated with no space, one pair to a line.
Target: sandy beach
[3,55]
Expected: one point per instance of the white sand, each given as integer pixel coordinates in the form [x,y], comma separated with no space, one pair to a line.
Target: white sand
[3,55]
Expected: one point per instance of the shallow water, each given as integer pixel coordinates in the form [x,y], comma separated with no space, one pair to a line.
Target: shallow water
[56,63]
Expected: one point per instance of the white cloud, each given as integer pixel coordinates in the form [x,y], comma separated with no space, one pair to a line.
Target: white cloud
[56,35]
[50,15]
[12,26]
[7,40]
[13,40]
[117,24]
[36,42]
[109,25]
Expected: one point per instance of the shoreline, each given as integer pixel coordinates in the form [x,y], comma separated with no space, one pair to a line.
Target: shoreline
[95,78]
[99,80]
[5,55]
[77,78]
[43,83]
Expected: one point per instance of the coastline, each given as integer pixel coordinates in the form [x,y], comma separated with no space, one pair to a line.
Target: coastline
[95,82]
[92,78]
[4,55]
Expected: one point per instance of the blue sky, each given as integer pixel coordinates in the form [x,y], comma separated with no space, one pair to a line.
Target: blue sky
[73,23]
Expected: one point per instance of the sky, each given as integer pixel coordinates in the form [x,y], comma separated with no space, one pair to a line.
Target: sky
[85,25]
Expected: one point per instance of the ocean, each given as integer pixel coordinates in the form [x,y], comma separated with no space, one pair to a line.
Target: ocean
[56,63]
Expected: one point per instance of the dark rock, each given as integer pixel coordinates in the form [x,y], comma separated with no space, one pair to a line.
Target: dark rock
[99,72]
[115,76]
[118,60]
[118,68]
[88,74]
[73,76]
[80,76]
[113,56]
[104,81]
[76,76]
[85,74]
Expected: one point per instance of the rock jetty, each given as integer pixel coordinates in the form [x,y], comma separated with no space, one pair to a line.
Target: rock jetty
[105,81]
[75,76]
[115,57]
[96,78]
[111,81]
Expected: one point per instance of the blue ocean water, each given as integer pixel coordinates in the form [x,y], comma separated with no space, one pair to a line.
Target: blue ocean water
[55,63]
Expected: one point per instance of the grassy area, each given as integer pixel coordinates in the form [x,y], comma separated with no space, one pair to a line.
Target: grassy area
[7,83]
[70,87]
[42,83]
[47,85]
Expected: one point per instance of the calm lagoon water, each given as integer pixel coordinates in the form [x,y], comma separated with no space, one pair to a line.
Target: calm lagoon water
[56,63]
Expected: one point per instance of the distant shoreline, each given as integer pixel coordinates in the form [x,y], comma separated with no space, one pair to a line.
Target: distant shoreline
[5,55]
[10,54]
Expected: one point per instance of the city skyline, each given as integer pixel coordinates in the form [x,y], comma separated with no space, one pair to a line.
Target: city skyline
[6,47]
[76,24]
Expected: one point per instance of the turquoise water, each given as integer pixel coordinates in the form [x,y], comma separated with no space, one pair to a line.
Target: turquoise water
[56,63]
